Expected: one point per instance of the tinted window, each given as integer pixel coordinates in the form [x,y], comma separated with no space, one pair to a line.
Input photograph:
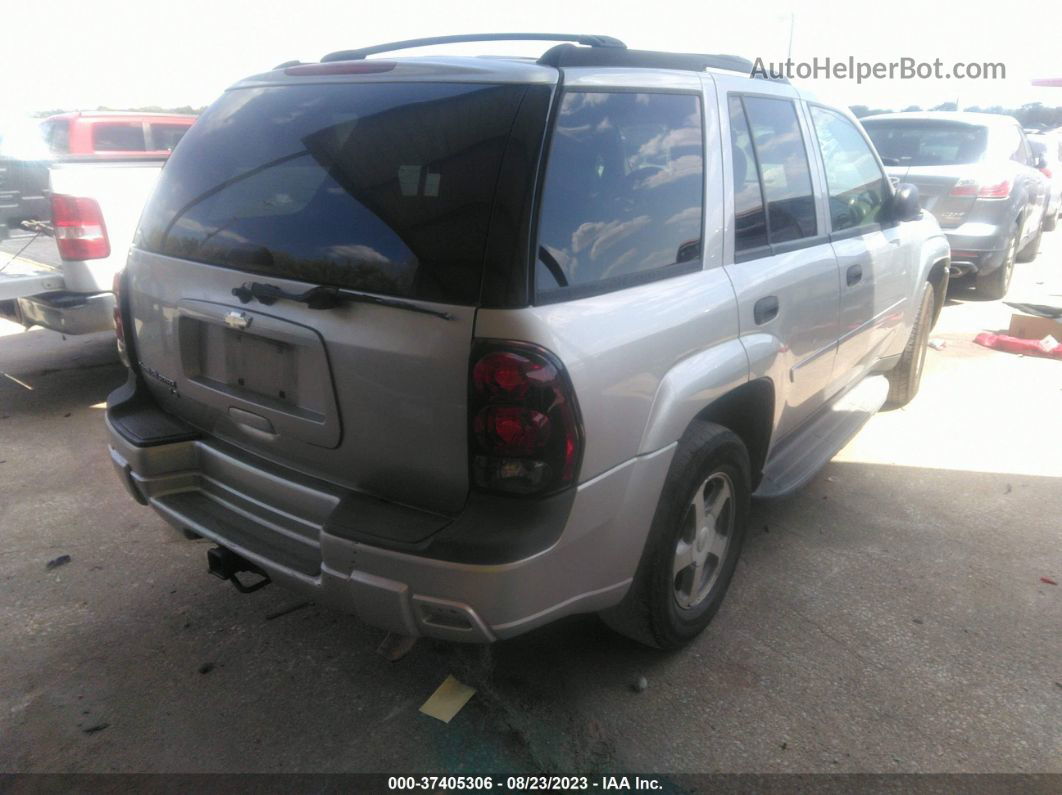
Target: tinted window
[166,136]
[856,186]
[379,187]
[57,136]
[917,142]
[750,219]
[624,189]
[784,169]
[118,137]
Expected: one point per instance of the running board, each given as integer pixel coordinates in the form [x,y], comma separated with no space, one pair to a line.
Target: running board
[799,457]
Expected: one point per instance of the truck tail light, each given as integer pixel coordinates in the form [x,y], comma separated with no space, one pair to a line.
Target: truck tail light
[525,435]
[982,190]
[79,229]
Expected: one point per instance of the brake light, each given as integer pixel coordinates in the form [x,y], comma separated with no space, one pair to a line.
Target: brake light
[1046,172]
[974,189]
[525,435]
[79,229]
[341,68]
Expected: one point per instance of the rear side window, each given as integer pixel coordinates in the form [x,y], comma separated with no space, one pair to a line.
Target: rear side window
[385,188]
[750,217]
[856,186]
[917,142]
[165,136]
[118,137]
[784,170]
[623,193]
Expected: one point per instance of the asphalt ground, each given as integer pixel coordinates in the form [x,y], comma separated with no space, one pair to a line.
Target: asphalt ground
[892,617]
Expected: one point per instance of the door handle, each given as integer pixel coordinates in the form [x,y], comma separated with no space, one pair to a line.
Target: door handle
[854,275]
[766,309]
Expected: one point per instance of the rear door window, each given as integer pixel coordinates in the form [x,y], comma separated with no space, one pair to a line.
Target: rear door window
[856,185]
[386,188]
[784,170]
[623,194]
[750,216]
[118,137]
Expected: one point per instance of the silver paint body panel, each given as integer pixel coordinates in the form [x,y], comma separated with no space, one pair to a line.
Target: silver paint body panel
[644,362]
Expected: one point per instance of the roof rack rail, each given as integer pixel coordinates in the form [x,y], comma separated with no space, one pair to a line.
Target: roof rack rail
[589,40]
[567,55]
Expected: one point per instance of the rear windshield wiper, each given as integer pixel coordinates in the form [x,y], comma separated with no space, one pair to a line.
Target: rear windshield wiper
[325,297]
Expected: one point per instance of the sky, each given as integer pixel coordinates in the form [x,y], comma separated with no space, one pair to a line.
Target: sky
[121,54]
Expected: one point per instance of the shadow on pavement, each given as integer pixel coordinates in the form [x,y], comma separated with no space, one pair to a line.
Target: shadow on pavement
[877,622]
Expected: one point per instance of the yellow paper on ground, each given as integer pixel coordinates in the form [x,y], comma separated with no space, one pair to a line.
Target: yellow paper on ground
[447,700]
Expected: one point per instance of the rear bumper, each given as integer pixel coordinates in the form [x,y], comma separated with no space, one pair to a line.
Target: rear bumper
[977,248]
[69,313]
[222,495]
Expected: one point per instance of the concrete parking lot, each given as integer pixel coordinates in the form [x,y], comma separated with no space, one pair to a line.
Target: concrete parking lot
[889,618]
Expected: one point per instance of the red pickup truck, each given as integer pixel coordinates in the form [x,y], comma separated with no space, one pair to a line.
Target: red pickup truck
[114,133]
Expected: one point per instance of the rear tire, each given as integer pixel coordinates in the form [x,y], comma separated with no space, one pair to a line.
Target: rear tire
[994,285]
[905,378]
[1032,248]
[669,603]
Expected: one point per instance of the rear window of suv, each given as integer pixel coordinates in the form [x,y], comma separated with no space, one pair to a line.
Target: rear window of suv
[385,188]
[926,143]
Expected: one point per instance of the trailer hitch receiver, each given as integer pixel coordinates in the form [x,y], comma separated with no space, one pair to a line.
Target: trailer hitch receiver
[226,564]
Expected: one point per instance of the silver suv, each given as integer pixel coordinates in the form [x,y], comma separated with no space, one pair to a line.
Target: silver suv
[463,345]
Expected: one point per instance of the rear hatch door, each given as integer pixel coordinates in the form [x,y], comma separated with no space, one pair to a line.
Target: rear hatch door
[383,190]
[934,155]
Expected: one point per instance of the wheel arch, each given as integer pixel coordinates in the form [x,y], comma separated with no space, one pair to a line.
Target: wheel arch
[748,412]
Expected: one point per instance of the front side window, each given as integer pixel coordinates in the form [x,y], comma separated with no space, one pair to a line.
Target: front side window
[856,186]
[124,137]
[784,169]
[624,190]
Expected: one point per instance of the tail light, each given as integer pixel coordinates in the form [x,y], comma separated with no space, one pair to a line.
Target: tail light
[525,434]
[119,323]
[1046,172]
[981,190]
[79,229]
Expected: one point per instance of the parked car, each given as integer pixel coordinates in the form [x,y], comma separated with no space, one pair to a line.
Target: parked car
[115,133]
[976,173]
[93,193]
[24,161]
[464,345]
[1049,147]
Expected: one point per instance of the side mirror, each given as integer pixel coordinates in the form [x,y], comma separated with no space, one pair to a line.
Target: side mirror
[905,203]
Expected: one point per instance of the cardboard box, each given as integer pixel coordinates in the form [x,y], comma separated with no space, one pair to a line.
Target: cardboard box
[1029,327]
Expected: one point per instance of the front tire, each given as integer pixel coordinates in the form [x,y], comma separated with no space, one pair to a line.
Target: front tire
[694,542]
[906,377]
